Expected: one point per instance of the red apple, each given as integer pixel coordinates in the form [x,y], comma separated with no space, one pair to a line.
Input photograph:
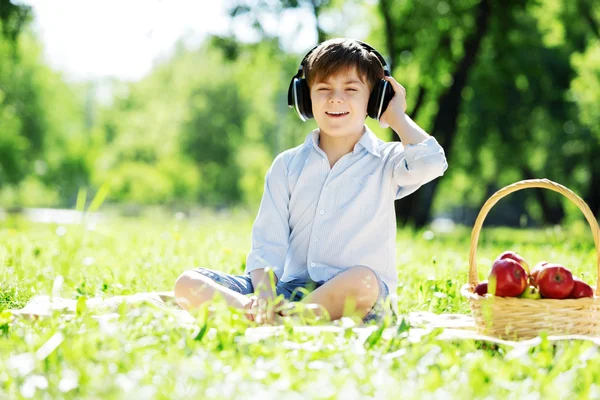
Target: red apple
[514,256]
[555,281]
[482,288]
[581,289]
[535,271]
[507,279]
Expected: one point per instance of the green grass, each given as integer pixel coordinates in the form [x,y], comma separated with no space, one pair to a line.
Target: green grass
[151,355]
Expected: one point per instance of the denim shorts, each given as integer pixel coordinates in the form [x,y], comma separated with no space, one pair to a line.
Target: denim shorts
[295,290]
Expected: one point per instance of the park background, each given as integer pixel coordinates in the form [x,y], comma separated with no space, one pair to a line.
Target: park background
[183,104]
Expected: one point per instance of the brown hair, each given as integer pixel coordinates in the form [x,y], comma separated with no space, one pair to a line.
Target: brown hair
[341,54]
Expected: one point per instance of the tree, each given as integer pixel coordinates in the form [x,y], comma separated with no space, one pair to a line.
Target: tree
[13,18]
[461,25]
[40,132]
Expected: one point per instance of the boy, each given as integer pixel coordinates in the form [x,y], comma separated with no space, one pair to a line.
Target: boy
[326,225]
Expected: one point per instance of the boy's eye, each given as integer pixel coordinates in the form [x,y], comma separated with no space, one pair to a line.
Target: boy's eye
[354,90]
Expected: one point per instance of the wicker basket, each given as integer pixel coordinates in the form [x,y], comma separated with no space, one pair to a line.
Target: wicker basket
[519,318]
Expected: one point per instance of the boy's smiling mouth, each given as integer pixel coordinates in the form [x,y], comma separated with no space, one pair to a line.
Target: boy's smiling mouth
[336,114]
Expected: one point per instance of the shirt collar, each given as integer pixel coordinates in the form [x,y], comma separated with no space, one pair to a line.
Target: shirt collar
[368,140]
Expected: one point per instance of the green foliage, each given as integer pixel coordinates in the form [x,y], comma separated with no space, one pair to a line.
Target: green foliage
[586,88]
[42,141]
[517,116]
[13,18]
[212,136]
[206,122]
[142,183]
[23,134]
[210,115]
[516,107]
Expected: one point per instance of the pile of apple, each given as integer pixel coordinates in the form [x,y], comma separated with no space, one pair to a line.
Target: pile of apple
[511,277]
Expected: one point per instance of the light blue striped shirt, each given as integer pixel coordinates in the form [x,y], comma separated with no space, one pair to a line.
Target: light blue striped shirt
[314,220]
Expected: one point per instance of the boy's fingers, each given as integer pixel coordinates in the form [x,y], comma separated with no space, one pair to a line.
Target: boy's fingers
[393,82]
[261,303]
[264,312]
[286,309]
[397,86]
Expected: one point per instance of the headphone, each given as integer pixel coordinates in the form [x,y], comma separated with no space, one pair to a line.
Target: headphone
[299,92]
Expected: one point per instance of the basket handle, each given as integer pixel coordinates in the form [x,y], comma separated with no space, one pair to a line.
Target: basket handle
[525,184]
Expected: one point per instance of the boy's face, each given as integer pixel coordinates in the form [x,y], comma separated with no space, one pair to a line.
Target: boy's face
[343,92]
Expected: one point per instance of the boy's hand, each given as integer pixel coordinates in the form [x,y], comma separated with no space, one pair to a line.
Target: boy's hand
[397,106]
[261,307]
[249,308]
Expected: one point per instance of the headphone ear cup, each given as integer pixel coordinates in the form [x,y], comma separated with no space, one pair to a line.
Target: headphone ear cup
[294,96]
[378,101]
[304,100]
[298,93]
[372,105]
[291,93]
[387,97]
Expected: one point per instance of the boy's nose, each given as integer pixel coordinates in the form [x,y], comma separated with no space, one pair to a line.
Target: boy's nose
[336,96]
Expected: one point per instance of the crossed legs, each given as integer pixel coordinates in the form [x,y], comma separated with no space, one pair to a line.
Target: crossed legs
[352,292]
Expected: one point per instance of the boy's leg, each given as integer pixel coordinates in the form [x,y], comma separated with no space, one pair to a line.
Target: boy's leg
[355,291]
[197,286]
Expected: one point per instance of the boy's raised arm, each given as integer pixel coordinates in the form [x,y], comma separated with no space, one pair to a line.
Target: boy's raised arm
[270,231]
[417,164]
[420,158]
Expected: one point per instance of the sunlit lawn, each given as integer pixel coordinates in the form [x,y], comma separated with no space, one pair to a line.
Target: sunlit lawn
[150,354]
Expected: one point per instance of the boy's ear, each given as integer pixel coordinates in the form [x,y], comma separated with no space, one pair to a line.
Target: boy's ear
[299,97]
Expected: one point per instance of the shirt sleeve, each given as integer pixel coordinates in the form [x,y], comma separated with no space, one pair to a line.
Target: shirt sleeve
[416,165]
[271,230]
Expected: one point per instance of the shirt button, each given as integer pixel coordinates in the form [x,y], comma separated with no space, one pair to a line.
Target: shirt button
[312,264]
[323,160]
[322,212]
[325,187]
[316,239]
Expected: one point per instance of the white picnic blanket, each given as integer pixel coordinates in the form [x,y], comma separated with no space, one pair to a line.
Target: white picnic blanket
[454,326]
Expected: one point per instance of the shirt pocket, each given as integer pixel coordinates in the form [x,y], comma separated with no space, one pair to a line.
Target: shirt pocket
[357,192]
